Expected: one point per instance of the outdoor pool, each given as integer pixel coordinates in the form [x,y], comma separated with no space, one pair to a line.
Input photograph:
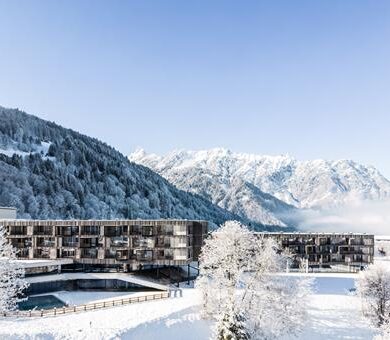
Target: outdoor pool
[41,302]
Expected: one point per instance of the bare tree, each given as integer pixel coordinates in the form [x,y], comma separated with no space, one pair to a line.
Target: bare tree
[373,286]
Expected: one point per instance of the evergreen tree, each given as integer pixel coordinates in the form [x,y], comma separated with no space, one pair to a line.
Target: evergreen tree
[231,326]
[51,172]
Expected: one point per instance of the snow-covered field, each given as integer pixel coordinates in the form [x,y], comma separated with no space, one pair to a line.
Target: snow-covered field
[334,314]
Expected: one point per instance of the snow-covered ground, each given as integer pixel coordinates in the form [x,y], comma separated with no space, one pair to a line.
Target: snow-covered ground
[334,314]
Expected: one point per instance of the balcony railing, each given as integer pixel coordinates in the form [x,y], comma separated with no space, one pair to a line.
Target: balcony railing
[70,244]
[43,232]
[143,243]
[42,255]
[89,254]
[87,230]
[119,242]
[46,244]
[18,231]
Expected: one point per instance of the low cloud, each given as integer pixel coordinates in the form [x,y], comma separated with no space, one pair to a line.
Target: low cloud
[364,217]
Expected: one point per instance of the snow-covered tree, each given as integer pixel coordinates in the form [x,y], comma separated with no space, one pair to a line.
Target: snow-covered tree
[373,286]
[223,262]
[277,305]
[231,326]
[12,283]
[240,284]
[384,331]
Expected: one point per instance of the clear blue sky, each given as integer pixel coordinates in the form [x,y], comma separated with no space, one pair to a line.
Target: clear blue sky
[307,78]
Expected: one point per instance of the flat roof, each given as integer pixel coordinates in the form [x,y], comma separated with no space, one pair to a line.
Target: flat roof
[7,208]
[382,237]
[34,263]
[100,221]
[312,233]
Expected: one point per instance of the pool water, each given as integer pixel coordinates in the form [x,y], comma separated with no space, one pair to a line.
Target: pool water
[41,302]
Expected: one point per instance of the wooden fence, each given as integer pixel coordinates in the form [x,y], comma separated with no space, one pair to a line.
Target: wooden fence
[88,307]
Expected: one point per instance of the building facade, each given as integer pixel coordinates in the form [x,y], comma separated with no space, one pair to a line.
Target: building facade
[130,244]
[327,249]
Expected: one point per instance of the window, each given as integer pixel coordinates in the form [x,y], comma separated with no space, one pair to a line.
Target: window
[91,230]
[70,241]
[147,231]
[68,252]
[135,229]
[144,255]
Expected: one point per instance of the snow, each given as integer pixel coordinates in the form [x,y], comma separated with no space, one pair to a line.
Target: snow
[43,148]
[231,180]
[107,324]
[35,263]
[336,317]
[333,314]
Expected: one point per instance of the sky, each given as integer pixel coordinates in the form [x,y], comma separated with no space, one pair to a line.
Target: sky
[306,78]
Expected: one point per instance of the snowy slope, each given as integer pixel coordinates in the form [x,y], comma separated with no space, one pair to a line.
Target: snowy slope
[239,182]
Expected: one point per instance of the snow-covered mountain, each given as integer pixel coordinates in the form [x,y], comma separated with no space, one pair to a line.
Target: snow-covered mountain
[50,172]
[267,189]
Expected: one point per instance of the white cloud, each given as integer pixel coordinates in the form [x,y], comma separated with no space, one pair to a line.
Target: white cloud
[364,216]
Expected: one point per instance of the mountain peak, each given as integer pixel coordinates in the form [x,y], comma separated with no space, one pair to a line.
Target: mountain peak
[236,180]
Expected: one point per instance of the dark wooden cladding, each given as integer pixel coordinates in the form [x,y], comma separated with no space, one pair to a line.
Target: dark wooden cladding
[128,243]
[327,249]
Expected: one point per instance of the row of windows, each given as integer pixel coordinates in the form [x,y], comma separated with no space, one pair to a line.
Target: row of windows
[95,242]
[96,230]
[139,255]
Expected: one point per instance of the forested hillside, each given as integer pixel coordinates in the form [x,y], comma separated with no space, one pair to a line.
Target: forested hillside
[47,171]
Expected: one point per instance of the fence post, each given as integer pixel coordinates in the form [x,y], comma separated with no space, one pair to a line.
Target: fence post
[113,302]
[55,311]
[94,306]
[104,304]
[41,312]
[29,312]
[63,309]
[74,308]
[122,301]
[85,307]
